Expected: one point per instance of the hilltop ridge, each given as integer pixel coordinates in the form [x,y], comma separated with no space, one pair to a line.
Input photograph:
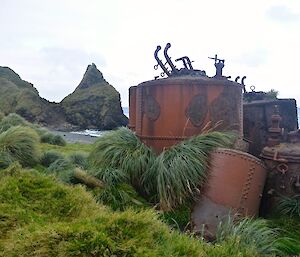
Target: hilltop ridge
[93,104]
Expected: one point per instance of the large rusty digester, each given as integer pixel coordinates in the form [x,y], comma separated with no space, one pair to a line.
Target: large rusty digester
[165,111]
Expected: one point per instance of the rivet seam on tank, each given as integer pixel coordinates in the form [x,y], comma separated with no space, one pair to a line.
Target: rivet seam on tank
[246,188]
[242,157]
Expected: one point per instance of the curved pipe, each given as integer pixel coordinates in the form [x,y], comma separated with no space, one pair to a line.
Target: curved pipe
[168,45]
[243,79]
[158,48]
[237,78]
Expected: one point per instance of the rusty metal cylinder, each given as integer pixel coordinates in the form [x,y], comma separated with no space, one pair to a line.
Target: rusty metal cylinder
[132,108]
[235,185]
[283,162]
[173,109]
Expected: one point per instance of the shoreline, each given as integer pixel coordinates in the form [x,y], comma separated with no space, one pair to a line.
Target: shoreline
[74,138]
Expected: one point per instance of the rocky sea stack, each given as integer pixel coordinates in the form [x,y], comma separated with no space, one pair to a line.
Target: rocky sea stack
[94,104]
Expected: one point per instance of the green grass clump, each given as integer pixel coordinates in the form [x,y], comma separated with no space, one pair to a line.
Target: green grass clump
[63,169]
[249,233]
[290,206]
[178,218]
[79,159]
[1,116]
[179,171]
[289,230]
[5,160]
[53,139]
[120,197]
[22,144]
[49,157]
[12,120]
[122,150]
[172,177]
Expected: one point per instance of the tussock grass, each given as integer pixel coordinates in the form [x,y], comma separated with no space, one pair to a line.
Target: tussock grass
[22,144]
[248,233]
[53,139]
[12,120]
[1,116]
[120,197]
[79,159]
[63,169]
[290,206]
[289,229]
[122,150]
[5,160]
[49,157]
[181,170]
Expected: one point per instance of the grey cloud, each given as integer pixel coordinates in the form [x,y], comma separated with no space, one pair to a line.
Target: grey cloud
[282,13]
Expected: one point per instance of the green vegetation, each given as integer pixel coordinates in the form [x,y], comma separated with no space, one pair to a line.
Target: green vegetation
[12,120]
[104,199]
[79,159]
[21,144]
[122,150]
[49,157]
[52,139]
[45,218]
[290,206]
[289,230]
[249,234]
[180,171]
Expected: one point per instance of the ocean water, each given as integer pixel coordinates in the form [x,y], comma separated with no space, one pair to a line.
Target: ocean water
[126,111]
[98,133]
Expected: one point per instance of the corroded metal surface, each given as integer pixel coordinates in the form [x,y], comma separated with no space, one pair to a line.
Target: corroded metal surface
[198,102]
[132,108]
[235,185]
[283,162]
[170,110]
[257,121]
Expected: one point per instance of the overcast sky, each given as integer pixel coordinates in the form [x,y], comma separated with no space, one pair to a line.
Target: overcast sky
[50,42]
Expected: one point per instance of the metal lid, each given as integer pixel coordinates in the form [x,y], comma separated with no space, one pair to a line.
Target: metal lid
[284,152]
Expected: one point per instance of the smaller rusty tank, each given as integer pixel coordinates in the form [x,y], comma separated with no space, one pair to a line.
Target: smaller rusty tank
[132,108]
[283,162]
[235,185]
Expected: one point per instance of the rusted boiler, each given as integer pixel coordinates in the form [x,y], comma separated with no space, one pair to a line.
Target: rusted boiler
[235,186]
[283,162]
[165,111]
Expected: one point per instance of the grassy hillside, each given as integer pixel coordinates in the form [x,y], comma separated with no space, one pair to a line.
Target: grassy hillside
[108,199]
[18,96]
